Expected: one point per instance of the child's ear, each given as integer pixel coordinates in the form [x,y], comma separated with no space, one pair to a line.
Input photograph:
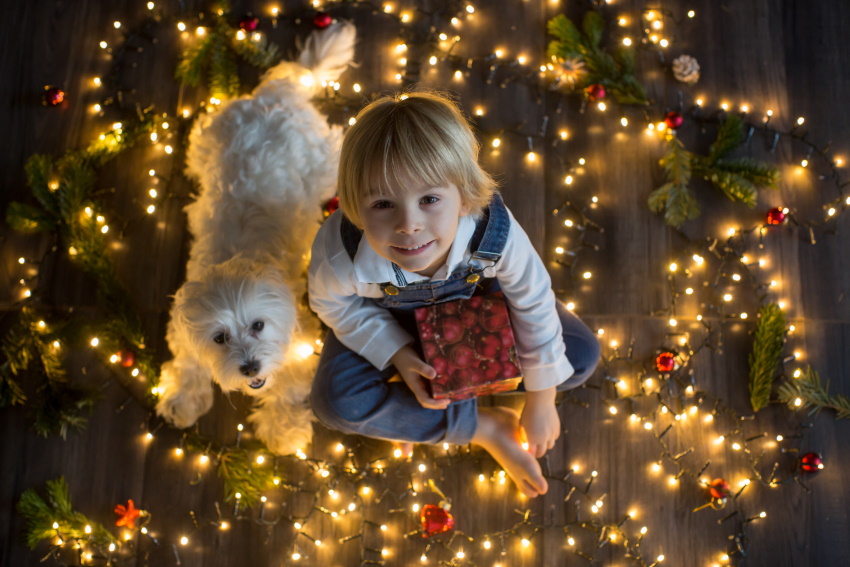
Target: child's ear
[465,209]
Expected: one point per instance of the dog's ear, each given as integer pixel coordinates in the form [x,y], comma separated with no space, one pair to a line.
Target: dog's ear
[184,312]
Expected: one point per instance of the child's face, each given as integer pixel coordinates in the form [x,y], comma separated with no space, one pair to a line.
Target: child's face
[416,228]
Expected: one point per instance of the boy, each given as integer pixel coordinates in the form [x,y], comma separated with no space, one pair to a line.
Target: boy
[421,223]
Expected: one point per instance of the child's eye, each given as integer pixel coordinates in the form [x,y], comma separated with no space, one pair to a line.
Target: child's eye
[429,200]
[382,205]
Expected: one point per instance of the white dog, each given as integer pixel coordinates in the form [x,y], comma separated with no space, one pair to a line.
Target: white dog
[265,164]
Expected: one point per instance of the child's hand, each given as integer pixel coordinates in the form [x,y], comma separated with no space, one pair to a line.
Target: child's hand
[540,421]
[412,370]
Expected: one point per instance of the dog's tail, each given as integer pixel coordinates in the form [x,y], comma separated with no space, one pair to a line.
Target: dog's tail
[326,55]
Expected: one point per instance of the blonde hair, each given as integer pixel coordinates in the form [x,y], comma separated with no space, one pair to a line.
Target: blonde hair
[411,138]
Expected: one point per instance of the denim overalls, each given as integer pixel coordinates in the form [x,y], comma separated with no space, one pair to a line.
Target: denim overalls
[351,395]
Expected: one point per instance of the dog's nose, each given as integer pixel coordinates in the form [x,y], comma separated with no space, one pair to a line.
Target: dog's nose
[250,368]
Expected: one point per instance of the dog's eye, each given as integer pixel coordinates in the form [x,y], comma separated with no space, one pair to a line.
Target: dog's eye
[220,338]
[258,326]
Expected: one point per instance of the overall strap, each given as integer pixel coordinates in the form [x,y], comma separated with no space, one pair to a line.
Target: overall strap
[491,231]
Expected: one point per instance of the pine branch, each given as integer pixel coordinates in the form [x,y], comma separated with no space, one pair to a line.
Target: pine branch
[729,136]
[236,469]
[40,518]
[756,172]
[813,395]
[38,170]
[191,67]
[29,219]
[764,358]
[258,53]
[738,179]
[63,408]
[734,186]
[223,73]
[613,71]
[674,197]
[19,350]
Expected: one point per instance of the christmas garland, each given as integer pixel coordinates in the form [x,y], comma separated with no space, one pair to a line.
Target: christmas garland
[65,191]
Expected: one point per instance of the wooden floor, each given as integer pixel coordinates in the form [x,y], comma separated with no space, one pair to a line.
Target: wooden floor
[789,56]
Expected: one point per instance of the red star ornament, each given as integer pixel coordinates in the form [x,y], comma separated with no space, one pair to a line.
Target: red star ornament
[128,515]
[435,520]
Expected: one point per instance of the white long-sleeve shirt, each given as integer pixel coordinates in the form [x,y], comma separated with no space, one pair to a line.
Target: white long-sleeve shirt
[342,293]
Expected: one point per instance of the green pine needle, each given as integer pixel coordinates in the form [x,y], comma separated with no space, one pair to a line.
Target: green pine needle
[813,395]
[767,350]
[40,517]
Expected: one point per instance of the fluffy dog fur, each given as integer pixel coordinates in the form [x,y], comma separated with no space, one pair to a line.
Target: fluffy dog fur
[264,163]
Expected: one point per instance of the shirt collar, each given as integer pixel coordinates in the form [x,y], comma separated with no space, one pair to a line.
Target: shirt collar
[369,267]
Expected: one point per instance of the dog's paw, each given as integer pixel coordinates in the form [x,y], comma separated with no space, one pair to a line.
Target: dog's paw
[184,396]
[284,430]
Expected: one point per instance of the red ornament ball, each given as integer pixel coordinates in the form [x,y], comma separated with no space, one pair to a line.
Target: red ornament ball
[776,216]
[811,463]
[53,96]
[435,520]
[127,358]
[719,489]
[665,362]
[595,92]
[249,23]
[331,206]
[673,120]
[322,20]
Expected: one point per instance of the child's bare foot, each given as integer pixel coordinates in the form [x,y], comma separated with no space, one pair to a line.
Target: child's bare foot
[499,433]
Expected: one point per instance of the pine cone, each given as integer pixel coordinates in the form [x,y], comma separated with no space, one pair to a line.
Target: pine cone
[686,69]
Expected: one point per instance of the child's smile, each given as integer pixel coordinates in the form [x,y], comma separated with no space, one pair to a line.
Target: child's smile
[415,228]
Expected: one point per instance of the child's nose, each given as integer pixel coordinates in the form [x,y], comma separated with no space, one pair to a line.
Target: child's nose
[408,221]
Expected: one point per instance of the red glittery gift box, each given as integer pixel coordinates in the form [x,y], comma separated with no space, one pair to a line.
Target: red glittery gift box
[471,345]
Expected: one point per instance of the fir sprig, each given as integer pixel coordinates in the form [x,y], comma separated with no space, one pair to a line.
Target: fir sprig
[738,179]
[613,70]
[41,517]
[764,358]
[813,395]
[215,55]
